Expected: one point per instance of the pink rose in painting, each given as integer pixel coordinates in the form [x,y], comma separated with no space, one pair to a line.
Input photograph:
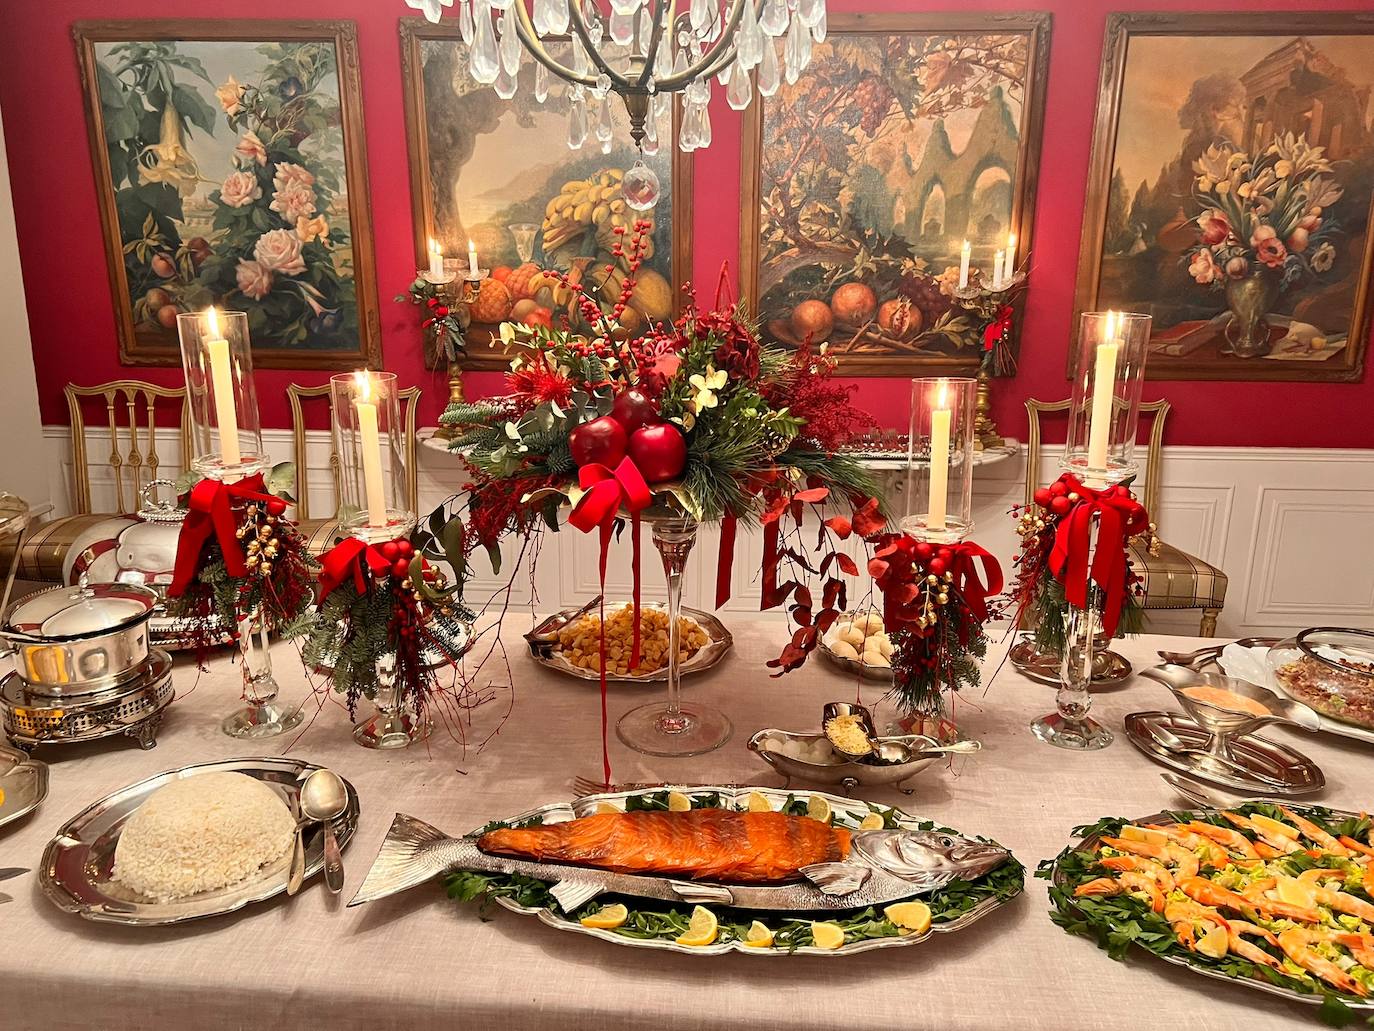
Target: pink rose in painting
[1262,233]
[312,228]
[1214,227]
[255,279]
[240,189]
[293,202]
[1203,267]
[280,251]
[1310,222]
[1271,252]
[250,148]
[1298,240]
[287,174]
[1237,267]
[230,96]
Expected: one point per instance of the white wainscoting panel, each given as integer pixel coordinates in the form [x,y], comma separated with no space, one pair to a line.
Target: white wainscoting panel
[1293,528]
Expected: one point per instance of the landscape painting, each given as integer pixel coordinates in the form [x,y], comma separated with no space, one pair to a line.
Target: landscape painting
[1230,193]
[229,163]
[501,174]
[905,136]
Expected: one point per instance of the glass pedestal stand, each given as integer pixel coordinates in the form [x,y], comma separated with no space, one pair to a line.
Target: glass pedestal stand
[672,727]
[263,716]
[391,726]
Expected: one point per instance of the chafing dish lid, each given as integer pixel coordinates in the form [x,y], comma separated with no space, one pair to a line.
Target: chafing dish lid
[63,613]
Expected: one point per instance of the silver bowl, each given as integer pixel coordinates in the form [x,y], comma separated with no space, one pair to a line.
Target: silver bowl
[849,775]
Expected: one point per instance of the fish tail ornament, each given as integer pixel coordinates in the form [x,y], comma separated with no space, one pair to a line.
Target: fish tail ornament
[411,854]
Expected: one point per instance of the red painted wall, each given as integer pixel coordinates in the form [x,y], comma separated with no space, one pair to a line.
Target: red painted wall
[68,288]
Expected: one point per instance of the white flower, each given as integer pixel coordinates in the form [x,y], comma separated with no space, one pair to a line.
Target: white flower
[707,386]
[250,148]
[240,189]
[280,251]
[254,279]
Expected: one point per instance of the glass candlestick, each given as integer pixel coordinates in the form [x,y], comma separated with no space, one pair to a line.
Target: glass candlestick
[1109,370]
[672,727]
[393,725]
[940,459]
[263,716]
[217,358]
[368,438]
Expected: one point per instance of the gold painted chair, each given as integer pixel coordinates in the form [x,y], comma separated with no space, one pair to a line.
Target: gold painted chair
[131,407]
[322,533]
[1173,578]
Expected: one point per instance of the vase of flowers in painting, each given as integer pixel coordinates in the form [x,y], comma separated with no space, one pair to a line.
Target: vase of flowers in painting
[1249,299]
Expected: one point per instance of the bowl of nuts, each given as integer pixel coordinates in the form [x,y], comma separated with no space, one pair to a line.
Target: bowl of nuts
[570,642]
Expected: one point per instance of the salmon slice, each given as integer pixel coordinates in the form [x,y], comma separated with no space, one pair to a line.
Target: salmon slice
[704,844]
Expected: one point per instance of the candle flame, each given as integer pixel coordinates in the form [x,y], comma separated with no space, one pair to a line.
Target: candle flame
[212,321]
[471,246]
[363,382]
[967,247]
[434,247]
[942,398]
[1011,240]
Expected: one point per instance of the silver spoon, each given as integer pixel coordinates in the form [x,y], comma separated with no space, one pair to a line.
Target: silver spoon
[1213,650]
[862,718]
[957,747]
[324,798]
[1177,746]
[295,872]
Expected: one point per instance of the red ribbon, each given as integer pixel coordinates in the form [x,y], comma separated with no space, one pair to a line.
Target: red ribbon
[998,328]
[606,491]
[964,576]
[1119,516]
[350,558]
[211,505]
[725,558]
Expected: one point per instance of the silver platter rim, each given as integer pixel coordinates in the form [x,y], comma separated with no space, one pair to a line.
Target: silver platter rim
[1153,750]
[1022,655]
[720,643]
[1059,879]
[265,885]
[738,793]
[40,774]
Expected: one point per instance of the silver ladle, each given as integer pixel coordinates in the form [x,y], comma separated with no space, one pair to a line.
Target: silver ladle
[324,797]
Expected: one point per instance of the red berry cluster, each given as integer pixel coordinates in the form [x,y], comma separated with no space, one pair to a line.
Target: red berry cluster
[1057,499]
[399,553]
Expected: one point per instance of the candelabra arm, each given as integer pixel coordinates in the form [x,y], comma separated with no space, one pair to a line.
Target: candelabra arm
[579,26]
[655,41]
[714,59]
[524,28]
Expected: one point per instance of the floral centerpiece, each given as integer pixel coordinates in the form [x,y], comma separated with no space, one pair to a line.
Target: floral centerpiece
[1262,230]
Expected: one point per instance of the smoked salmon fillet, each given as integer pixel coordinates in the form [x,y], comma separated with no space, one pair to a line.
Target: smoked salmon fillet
[703,844]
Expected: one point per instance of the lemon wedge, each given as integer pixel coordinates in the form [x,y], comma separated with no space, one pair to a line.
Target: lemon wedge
[758,803]
[871,822]
[1274,827]
[609,917]
[602,808]
[1295,893]
[912,917]
[758,936]
[818,809]
[1144,834]
[701,929]
[827,935]
[1214,943]
[678,802]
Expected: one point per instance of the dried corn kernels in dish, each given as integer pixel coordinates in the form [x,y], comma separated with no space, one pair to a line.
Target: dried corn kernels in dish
[580,642]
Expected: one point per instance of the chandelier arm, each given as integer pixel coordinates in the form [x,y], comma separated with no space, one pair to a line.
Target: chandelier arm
[656,40]
[524,28]
[715,58]
[579,25]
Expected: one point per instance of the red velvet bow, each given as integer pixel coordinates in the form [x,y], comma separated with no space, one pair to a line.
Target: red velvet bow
[998,328]
[964,573]
[211,507]
[350,558]
[1119,516]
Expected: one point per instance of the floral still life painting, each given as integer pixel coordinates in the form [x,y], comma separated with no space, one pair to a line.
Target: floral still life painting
[499,171]
[1235,205]
[905,138]
[229,164]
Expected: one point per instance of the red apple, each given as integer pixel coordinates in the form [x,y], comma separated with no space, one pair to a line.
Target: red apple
[634,410]
[601,441]
[659,451]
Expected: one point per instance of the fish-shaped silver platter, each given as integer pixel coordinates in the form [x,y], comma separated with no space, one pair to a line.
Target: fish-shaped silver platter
[1091,842]
[385,878]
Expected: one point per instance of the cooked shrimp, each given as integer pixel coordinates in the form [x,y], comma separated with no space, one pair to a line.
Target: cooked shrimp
[1357,846]
[1242,948]
[1128,881]
[1216,855]
[1283,842]
[1314,833]
[1099,886]
[1344,902]
[1213,894]
[1297,942]
[1234,841]
[1140,864]
[1183,917]
[1169,854]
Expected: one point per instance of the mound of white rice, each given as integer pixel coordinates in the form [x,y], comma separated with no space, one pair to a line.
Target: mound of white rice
[201,833]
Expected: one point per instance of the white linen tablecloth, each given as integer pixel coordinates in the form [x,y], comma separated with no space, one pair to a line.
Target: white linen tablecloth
[418,960]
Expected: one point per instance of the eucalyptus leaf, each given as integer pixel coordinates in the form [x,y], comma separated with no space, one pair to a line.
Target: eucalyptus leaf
[494,553]
[281,480]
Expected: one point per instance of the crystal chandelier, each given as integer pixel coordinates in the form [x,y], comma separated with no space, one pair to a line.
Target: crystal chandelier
[643,51]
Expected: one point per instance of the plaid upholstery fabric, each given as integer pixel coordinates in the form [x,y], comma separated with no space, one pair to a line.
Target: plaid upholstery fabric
[1176,580]
[320,535]
[46,546]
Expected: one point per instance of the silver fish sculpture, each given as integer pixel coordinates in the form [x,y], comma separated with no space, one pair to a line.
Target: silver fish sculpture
[882,866]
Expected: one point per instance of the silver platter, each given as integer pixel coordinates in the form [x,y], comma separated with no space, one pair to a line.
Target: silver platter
[848,775]
[135,708]
[719,642]
[23,783]
[1315,999]
[1043,667]
[1299,774]
[737,796]
[75,872]
[878,674]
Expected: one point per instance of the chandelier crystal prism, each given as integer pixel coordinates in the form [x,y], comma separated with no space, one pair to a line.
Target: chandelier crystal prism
[642,51]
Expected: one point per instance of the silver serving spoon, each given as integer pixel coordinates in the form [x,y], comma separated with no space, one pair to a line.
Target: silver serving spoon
[295,872]
[1177,746]
[1213,650]
[323,799]
[1197,793]
[862,718]
[957,747]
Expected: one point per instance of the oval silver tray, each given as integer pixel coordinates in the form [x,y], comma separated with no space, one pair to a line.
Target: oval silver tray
[23,782]
[1090,842]
[75,872]
[737,796]
[846,774]
[879,674]
[718,644]
[1299,774]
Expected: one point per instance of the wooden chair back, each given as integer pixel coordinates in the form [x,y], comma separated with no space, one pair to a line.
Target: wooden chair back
[1154,454]
[133,445]
[295,393]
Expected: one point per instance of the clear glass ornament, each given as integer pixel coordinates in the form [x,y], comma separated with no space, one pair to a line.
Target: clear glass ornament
[625,6]
[650,85]
[704,126]
[700,14]
[651,124]
[649,147]
[622,27]
[581,63]
[699,92]
[604,130]
[605,146]
[773,17]
[749,38]
[818,30]
[577,118]
[791,52]
[810,11]
[646,29]
[482,57]
[506,84]
[543,16]
[465,23]
[594,31]
[603,84]
[640,187]
[663,59]
[662,108]
[541,82]
[680,61]
[768,70]
[511,48]
[559,17]
[723,76]
[740,90]
[689,138]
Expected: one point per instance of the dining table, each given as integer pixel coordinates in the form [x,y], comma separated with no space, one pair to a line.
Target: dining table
[420,960]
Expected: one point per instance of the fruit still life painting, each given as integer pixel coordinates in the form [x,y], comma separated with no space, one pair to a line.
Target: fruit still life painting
[228,184]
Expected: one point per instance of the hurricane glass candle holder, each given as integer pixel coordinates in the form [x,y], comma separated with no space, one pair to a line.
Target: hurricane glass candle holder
[368,433]
[217,357]
[940,460]
[1108,374]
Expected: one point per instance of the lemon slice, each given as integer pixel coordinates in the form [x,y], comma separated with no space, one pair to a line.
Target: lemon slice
[611,916]
[678,802]
[758,936]
[1145,834]
[871,822]
[827,935]
[1214,943]
[912,917]
[818,809]
[701,929]
[759,803]
[1295,893]
[1274,827]
[602,808]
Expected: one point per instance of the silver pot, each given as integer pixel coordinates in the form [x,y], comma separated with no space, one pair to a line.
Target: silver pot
[75,640]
